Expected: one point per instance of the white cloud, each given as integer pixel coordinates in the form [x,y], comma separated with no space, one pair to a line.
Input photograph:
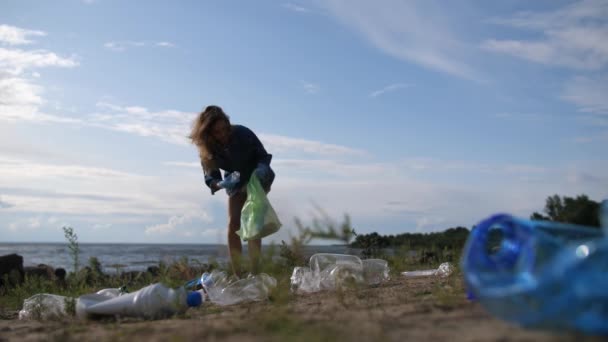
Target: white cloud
[91,191]
[424,222]
[12,35]
[15,61]
[340,171]
[389,88]
[310,88]
[165,44]
[102,226]
[601,137]
[588,93]
[124,45]
[521,116]
[296,8]
[170,125]
[402,29]
[20,97]
[176,222]
[31,223]
[20,100]
[4,204]
[193,165]
[281,144]
[575,36]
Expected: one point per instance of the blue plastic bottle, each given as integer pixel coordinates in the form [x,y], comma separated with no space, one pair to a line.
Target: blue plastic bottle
[541,275]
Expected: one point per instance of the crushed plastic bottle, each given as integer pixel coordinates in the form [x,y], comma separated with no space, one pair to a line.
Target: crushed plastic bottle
[223,290]
[303,280]
[153,301]
[86,301]
[542,274]
[336,270]
[44,306]
[444,270]
[331,271]
[375,271]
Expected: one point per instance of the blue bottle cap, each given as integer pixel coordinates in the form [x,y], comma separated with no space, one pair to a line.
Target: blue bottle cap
[194,299]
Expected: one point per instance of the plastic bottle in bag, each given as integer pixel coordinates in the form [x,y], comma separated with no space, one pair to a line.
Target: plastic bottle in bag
[153,301]
[541,275]
[44,306]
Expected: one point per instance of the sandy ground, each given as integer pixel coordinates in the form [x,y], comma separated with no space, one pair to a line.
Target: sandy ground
[399,310]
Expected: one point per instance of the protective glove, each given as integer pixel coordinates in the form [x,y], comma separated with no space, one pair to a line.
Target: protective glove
[230,181]
[265,175]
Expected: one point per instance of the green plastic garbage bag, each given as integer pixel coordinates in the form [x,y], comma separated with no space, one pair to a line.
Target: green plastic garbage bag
[258,218]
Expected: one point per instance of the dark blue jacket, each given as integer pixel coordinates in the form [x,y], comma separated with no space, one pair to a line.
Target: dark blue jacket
[243,153]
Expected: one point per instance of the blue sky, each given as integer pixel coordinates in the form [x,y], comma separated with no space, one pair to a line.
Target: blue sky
[410,116]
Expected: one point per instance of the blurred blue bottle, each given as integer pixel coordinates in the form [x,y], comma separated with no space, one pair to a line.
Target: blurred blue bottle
[540,274]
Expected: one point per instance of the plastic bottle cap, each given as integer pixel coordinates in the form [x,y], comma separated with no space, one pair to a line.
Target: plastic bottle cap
[194,299]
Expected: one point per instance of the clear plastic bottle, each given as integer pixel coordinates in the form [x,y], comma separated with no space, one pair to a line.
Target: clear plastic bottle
[85,301]
[303,280]
[375,271]
[44,306]
[153,301]
[444,270]
[541,275]
[336,270]
[223,290]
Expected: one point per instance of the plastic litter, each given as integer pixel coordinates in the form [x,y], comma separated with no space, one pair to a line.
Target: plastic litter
[375,271]
[223,290]
[44,306]
[444,270]
[542,275]
[85,301]
[332,271]
[153,301]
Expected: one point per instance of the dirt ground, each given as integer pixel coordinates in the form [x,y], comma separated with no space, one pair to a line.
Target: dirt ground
[419,309]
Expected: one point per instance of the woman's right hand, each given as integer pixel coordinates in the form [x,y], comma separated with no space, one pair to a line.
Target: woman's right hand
[230,181]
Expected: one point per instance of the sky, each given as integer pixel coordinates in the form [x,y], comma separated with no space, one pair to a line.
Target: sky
[407,116]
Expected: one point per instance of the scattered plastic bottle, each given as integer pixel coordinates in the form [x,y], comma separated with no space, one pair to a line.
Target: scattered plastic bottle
[336,270]
[153,301]
[444,270]
[331,271]
[541,275]
[375,271]
[223,290]
[86,301]
[303,280]
[44,306]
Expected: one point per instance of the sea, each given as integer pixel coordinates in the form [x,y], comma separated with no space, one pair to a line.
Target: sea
[116,258]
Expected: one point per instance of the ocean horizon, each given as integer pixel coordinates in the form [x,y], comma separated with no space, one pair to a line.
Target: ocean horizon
[122,257]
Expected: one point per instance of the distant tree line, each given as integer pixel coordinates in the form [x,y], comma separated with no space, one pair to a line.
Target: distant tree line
[450,239]
[578,210]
